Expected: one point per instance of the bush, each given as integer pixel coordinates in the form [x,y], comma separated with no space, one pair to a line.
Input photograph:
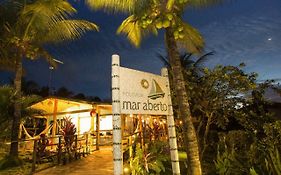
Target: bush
[8,162]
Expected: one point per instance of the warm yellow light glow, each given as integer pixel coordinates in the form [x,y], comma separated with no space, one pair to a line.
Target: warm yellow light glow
[126,170]
[131,115]
[106,123]
[85,124]
[180,122]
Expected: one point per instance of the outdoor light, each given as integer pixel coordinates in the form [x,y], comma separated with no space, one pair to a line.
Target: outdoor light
[126,169]
[93,112]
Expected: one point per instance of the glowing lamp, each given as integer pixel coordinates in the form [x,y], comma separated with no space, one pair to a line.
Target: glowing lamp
[93,112]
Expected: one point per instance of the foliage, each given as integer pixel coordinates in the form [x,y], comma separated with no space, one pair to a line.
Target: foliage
[7,99]
[232,153]
[220,92]
[149,160]
[30,87]
[42,143]
[69,131]
[9,161]
[253,154]
[215,95]
[150,16]
[37,23]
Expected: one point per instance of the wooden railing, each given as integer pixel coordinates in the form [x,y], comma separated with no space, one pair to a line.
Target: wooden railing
[57,150]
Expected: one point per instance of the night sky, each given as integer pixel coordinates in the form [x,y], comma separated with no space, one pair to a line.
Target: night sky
[246,31]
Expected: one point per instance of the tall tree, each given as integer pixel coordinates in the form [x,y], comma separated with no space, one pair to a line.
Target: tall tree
[38,23]
[147,17]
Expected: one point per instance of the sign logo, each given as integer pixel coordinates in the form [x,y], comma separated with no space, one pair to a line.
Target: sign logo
[144,83]
[156,91]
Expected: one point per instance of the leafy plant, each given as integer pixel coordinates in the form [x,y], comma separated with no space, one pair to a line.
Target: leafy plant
[148,160]
[7,100]
[68,132]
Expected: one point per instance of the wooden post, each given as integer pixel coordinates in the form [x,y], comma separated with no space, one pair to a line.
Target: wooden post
[34,156]
[171,129]
[78,125]
[116,118]
[59,150]
[47,125]
[54,131]
[97,129]
[76,146]
[141,131]
[87,149]
[93,116]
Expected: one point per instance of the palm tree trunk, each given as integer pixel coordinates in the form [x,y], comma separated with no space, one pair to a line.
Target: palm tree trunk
[190,138]
[206,133]
[17,110]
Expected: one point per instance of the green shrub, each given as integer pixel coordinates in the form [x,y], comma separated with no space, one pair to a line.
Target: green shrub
[8,162]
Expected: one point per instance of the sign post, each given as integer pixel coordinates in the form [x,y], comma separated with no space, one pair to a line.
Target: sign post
[136,92]
[117,133]
[171,128]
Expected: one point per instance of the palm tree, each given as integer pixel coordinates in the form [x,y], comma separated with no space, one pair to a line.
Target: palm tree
[148,16]
[7,96]
[188,64]
[40,22]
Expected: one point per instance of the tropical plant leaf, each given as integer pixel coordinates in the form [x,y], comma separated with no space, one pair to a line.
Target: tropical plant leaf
[203,3]
[68,30]
[170,4]
[37,17]
[164,60]
[113,5]
[132,29]
[192,41]
[203,59]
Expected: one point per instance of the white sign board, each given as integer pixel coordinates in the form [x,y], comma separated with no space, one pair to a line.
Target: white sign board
[136,92]
[142,93]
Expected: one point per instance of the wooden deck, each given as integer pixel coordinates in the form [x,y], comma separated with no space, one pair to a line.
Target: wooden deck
[98,163]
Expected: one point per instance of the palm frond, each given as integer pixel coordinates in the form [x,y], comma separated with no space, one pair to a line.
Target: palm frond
[68,30]
[49,58]
[112,5]
[203,3]
[203,58]
[41,14]
[164,60]
[192,41]
[7,64]
[132,29]
[170,4]
[185,59]
[49,8]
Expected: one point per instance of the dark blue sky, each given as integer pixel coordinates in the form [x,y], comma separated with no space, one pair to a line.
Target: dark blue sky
[238,31]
